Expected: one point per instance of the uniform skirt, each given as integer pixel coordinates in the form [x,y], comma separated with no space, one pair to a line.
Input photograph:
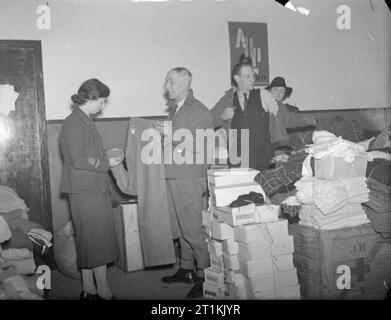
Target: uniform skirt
[95,235]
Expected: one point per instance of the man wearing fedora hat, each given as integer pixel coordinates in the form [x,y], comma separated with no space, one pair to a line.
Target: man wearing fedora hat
[289,113]
[244,107]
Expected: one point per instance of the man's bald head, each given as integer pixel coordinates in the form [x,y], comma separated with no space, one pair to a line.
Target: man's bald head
[178,82]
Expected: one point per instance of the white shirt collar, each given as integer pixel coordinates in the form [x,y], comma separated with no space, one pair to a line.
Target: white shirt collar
[180,103]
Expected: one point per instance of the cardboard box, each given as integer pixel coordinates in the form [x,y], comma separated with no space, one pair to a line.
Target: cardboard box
[256,268]
[237,216]
[252,233]
[127,229]
[263,283]
[266,213]
[333,168]
[283,263]
[214,292]
[237,292]
[319,253]
[234,277]
[286,279]
[283,246]
[230,247]
[255,251]
[289,293]
[206,217]
[277,229]
[222,231]
[215,247]
[262,232]
[223,196]
[215,213]
[230,177]
[265,295]
[231,262]
[214,277]
[216,263]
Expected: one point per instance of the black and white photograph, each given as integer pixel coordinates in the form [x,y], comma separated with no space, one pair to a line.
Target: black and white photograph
[209,152]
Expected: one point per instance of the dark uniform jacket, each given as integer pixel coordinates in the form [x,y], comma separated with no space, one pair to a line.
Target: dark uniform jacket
[79,140]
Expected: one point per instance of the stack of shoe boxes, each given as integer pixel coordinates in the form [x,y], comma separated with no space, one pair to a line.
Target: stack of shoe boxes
[250,248]
[266,260]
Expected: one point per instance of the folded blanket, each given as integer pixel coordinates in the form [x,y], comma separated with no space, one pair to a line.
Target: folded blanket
[16,254]
[5,232]
[9,200]
[282,177]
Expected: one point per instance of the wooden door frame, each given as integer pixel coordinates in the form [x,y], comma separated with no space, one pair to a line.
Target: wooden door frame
[36,46]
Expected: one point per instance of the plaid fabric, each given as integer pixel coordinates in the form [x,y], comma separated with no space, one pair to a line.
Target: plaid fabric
[282,177]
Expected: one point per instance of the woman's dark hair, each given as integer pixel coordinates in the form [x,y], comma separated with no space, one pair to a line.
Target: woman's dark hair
[243,62]
[92,89]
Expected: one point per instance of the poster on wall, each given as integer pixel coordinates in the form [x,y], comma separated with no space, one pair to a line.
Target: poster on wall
[250,39]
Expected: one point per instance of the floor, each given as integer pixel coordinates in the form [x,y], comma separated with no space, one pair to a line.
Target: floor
[143,285]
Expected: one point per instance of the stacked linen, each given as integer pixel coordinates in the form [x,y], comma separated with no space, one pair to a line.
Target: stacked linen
[21,259]
[378,208]
[10,201]
[332,198]
[349,216]
[332,203]
[334,157]
[266,260]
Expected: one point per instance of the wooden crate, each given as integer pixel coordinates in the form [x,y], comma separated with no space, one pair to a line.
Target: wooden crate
[318,254]
[130,251]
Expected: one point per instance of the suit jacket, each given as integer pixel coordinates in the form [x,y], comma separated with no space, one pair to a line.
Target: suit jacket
[278,134]
[79,140]
[192,115]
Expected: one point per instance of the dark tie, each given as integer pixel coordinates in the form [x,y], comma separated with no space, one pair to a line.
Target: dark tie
[245,101]
[172,111]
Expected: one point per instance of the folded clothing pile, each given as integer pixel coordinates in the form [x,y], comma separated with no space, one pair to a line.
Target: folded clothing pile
[21,259]
[378,208]
[10,201]
[5,232]
[281,179]
[17,278]
[330,195]
[332,203]
[349,216]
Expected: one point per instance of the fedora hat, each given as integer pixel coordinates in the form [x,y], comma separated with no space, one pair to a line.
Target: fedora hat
[280,82]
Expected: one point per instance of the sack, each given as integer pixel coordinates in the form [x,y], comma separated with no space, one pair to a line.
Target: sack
[65,252]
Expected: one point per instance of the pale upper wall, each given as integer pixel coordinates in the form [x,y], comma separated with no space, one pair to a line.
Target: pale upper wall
[130,46]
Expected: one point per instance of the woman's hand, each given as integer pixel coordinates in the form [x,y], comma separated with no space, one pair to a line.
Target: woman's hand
[94,161]
[115,156]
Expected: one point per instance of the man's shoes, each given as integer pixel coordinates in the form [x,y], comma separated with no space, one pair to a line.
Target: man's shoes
[197,290]
[87,296]
[182,275]
[98,297]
